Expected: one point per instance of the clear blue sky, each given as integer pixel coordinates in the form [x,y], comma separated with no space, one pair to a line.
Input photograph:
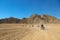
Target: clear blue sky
[26,8]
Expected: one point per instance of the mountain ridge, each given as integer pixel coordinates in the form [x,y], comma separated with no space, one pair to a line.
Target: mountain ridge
[32,19]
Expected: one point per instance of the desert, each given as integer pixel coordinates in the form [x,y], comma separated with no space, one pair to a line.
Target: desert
[19,32]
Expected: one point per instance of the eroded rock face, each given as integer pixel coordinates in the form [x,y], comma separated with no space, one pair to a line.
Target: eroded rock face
[42,19]
[34,19]
[50,19]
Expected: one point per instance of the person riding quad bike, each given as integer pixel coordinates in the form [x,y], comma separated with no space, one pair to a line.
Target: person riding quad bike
[42,27]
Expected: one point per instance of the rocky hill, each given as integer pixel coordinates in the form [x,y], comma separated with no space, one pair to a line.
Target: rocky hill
[32,19]
[43,19]
[10,20]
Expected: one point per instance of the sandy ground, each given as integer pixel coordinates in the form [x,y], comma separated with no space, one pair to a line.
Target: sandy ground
[17,32]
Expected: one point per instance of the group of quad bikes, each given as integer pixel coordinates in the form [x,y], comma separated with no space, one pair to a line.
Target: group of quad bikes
[41,26]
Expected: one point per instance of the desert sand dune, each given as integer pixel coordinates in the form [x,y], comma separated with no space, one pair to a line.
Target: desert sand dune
[16,32]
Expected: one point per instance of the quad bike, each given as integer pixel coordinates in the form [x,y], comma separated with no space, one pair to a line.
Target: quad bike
[42,27]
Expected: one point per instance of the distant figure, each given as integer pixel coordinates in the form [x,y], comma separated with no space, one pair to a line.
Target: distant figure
[32,25]
[42,27]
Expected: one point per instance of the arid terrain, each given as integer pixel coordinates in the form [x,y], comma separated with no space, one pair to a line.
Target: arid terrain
[29,32]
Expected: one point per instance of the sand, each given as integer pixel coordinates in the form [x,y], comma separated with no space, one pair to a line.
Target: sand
[18,32]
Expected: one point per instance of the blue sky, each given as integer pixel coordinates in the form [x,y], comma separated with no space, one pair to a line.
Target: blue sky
[26,8]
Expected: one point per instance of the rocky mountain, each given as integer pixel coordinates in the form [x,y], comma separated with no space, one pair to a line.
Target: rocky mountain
[42,19]
[50,19]
[32,19]
[24,20]
[35,19]
[10,20]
